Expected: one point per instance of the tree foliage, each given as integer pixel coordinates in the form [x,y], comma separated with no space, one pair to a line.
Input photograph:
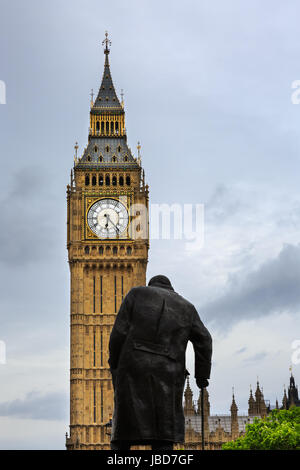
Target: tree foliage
[278,431]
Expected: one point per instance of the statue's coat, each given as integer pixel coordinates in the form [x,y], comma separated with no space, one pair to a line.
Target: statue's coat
[147,360]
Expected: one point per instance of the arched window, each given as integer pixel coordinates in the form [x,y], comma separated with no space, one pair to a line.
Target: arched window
[117,126]
[88,158]
[87,180]
[115,250]
[114,158]
[114,181]
[107,148]
[125,158]
[95,149]
[100,250]
[98,126]
[107,180]
[87,250]
[119,146]
[94,180]
[107,127]
[121,181]
[111,127]
[129,250]
[128,180]
[100,180]
[101,158]
[102,127]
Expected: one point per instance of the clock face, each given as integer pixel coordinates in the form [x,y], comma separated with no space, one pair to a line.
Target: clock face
[107,218]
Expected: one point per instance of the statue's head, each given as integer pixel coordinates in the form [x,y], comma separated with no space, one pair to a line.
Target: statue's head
[160,281]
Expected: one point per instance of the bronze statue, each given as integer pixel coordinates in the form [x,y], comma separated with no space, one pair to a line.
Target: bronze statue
[147,362]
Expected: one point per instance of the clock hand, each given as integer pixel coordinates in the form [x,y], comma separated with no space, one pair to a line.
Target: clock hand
[106,225]
[109,220]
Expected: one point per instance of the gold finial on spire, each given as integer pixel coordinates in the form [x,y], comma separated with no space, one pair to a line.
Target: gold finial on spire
[122,98]
[92,97]
[139,160]
[76,148]
[106,42]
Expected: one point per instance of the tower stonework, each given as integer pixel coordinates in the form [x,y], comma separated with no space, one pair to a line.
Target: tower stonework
[107,241]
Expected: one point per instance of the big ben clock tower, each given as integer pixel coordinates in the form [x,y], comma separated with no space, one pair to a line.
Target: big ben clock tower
[108,250]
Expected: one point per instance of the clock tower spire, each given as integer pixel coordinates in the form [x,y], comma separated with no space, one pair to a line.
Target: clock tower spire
[107,241]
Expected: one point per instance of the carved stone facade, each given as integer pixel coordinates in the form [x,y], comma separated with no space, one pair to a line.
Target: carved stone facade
[219,429]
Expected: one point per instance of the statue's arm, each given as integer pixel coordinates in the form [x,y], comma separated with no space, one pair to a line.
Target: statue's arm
[202,343]
[119,333]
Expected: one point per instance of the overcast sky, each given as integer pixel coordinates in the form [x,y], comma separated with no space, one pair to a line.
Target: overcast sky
[207,88]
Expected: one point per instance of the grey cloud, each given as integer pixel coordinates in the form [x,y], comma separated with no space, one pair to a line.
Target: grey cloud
[36,405]
[223,203]
[240,351]
[256,357]
[273,288]
[27,219]
[27,182]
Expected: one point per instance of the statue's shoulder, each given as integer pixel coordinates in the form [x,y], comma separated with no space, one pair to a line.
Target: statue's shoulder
[137,290]
[143,292]
[185,302]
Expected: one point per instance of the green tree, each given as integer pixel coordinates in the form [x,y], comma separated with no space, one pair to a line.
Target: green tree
[278,431]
